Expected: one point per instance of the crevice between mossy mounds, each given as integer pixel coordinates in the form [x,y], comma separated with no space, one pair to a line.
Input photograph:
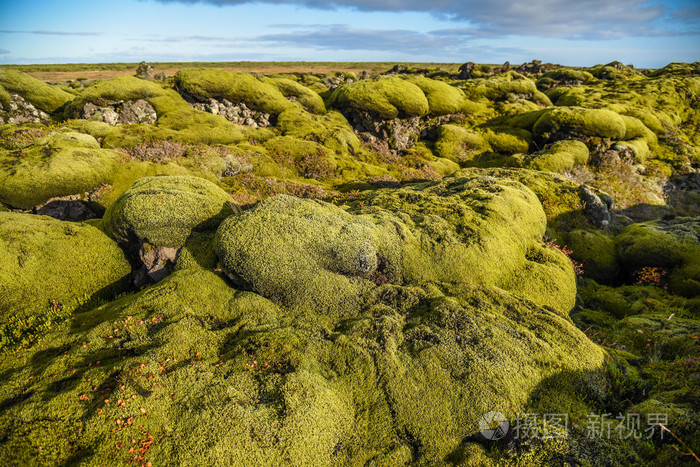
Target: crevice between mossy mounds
[118,112]
[18,110]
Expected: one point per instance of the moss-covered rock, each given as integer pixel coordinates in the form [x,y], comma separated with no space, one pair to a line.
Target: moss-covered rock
[46,262]
[509,86]
[43,96]
[258,94]
[597,253]
[560,157]
[297,92]
[60,164]
[332,258]
[505,140]
[671,244]
[387,97]
[457,143]
[558,122]
[127,88]
[164,211]
[331,130]
[407,385]
[443,99]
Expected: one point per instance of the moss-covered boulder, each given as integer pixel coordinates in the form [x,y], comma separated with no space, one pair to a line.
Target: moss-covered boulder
[554,124]
[407,378]
[60,164]
[328,259]
[126,88]
[46,262]
[596,252]
[310,100]
[443,99]
[387,97]
[332,130]
[670,244]
[457,143]
[509,86]
[43,96]
[163,211]
[258,94]
[560,157]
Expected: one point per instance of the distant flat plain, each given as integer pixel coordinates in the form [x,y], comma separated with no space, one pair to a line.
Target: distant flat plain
[58,73]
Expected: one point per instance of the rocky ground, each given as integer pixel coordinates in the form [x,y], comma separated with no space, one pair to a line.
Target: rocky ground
[230,268]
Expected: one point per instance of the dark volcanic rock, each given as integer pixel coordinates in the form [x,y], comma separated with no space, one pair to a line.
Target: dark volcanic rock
[157,263]
[67,208]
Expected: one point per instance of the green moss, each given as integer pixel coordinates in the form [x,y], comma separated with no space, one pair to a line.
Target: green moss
[163,211]
[675,68]
[193,126]
[560,157]
[443,99]
[236,87]
[578,122]
[596,251]
[60,164]
[295,157]
[685,279]
[332,130]
[129,88]
[197,252]
[639,148]
[276,392]
[635,128]
[44,260]
[669,244]
[388,97]
[643,245]
[509,86]
[4,98]
[568,74]
[125,174]
[452,227]
[508,140]
[632,300]
[457,143]
[43,96]
[309,99]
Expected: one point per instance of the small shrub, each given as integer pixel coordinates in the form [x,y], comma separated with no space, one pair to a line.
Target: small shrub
[654,276]
[578,267]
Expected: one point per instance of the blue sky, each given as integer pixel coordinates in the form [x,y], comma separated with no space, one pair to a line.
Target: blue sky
[569,32]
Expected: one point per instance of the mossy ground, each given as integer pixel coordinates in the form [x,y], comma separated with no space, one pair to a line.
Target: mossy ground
[332,303]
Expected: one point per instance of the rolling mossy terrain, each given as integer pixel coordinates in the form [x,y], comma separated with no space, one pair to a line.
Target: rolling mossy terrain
[230,268]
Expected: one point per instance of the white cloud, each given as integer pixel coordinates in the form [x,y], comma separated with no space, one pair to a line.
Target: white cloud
[575,19]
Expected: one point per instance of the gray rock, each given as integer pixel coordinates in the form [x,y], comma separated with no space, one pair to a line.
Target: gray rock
[20,110]
[596,211]
[138,111]
[392,136]
[156,264]
[144,70]
[121,112]
[238,113]
[682,193]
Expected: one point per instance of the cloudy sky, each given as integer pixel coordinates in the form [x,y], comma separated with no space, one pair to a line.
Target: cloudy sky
[569,32]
